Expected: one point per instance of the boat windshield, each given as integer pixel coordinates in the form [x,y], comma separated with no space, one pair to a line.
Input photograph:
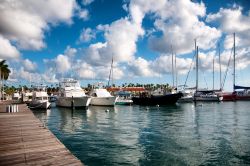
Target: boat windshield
[45,98]
[69,83]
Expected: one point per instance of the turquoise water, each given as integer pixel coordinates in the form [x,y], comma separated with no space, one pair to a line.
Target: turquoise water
[185,134]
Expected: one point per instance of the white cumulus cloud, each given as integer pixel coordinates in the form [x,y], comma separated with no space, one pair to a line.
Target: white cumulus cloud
[29,65]
[87,34]
[62,63]
[7,50]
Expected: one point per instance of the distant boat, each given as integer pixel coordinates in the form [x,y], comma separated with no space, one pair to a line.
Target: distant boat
[124,98]
[243,94]
[101,97]
[52,98]
[26,97]
[16,96]
[166,99]
[188,96]
[228,96]
[239,92]
[39,98]
[123,101]
[207,95]
[70,93]
[204,95]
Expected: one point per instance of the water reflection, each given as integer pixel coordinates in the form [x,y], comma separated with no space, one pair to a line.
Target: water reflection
[185,134]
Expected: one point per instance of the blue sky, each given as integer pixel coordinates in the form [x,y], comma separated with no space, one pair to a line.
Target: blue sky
[51,39]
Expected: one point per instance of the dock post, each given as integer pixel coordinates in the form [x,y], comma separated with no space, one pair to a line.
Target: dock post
[72,103]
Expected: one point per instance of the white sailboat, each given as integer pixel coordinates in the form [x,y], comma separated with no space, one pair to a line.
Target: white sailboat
[39,98]
[70,91]
[204,95]
[101,97]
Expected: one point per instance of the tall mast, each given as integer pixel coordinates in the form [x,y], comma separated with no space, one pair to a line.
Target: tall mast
[111,73]
[197,65]
[176,84]
[220,66]
[234,65]
[172,64]
[213,73]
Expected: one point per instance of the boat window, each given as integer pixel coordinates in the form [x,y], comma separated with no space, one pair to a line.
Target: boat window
[45,98]
[39,98]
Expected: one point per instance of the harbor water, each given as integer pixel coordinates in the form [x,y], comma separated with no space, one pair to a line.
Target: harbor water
[183,134]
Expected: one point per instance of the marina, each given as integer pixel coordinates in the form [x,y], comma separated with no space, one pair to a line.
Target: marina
[130,83]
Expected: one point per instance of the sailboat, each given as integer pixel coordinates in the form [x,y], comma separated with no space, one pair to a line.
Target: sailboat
[240,92]
[204,95]
[188,93]
[101,97]
[163,98]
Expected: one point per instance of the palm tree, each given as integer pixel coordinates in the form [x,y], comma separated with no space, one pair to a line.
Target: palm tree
[4,70]
[4,74]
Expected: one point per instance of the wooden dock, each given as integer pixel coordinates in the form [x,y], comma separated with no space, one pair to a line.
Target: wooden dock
[24,140]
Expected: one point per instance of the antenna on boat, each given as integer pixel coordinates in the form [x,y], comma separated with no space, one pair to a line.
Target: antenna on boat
[172,64]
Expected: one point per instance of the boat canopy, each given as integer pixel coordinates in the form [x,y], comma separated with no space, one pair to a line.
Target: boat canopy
[40,94]
[101,93]
[240,87]
[69,82]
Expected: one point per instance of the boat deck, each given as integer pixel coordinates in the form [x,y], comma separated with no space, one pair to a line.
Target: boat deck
[24,140]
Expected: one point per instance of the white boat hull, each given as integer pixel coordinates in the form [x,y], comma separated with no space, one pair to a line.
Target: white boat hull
[39,104]
[103,101]
[210,98]
[78,101]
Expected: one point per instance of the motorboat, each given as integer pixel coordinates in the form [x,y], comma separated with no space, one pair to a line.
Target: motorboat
[101,97]
[39,98]
[26,97]
[188,96]
[16,96]
[71,94]
[124,98]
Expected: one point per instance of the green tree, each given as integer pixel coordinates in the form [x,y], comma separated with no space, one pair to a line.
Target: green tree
[4,70]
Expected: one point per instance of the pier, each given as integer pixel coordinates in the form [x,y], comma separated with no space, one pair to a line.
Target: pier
[24,140]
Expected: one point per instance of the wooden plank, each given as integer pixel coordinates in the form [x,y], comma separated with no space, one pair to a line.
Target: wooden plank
[24,140]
